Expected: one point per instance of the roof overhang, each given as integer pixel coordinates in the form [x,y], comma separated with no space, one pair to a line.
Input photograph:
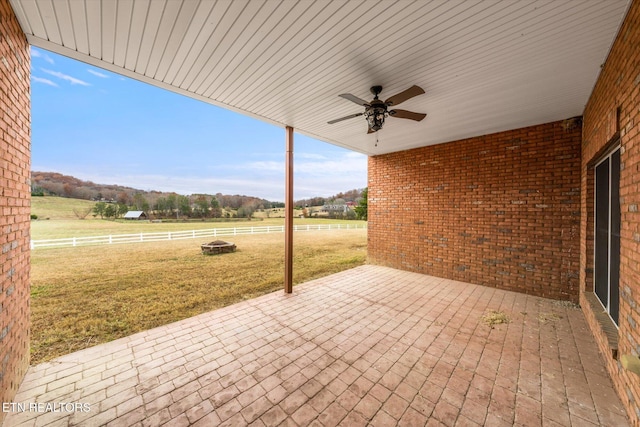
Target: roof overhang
[487,66]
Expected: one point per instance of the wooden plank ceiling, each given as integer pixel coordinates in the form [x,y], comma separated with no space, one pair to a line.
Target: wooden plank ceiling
[486,66]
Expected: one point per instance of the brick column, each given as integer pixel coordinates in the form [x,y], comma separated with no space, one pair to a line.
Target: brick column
[15,201]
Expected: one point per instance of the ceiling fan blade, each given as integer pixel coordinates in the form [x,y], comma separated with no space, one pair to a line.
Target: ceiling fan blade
[354,98]
[404,114]
[345,118]
[404,95]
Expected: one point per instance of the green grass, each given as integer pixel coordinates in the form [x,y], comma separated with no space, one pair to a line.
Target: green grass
[63,223]
[84,296]
[58,207]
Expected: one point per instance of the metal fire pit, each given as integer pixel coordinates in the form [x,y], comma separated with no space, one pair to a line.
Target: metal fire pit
[217,247]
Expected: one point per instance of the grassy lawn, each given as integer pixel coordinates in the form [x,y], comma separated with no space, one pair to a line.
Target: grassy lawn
[63,223]
[81,297]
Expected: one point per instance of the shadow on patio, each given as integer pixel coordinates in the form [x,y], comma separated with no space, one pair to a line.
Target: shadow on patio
[370,344]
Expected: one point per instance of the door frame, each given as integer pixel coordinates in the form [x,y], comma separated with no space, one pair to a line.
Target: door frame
[606,156]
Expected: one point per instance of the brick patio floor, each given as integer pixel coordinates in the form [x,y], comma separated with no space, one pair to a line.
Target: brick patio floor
[368,346]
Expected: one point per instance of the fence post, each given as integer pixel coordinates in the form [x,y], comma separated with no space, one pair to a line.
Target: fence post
[234,231]
[110,240]
[141,238]
[169,235]
[74,242]
[32,244]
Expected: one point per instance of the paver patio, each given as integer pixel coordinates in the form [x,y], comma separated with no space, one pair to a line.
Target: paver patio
[371,345]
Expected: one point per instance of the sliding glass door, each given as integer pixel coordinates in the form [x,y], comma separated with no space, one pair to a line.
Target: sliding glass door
[607,233]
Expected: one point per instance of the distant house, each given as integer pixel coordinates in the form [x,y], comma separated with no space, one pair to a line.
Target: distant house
[335,208]
[135,215]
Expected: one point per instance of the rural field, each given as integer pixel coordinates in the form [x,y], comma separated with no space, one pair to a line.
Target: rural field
[84,296]
[57,220]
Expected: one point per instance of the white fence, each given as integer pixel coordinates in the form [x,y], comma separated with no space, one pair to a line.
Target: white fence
[178,235]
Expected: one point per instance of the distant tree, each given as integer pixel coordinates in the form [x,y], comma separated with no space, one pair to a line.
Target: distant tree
[246,210]
[110,211]
[84,193]
[184,205]
[361,209]
[216,211]
[99,209]
[140,202]
[121,209]
[202,205]
[109,194]
[123,198]
[68,189]
[161,205]
[36,190]
[172,203]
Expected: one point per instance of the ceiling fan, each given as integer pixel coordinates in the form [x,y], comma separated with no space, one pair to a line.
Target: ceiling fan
[377,111]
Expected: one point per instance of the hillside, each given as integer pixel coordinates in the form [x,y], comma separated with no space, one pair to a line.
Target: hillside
[59,208]
[57,184]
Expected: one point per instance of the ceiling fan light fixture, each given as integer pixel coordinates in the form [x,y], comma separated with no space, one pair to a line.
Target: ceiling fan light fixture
[375,116]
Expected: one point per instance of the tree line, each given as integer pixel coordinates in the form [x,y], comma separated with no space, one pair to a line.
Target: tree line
[114,201]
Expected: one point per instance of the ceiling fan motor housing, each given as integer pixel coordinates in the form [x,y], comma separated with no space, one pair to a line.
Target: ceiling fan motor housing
[375,114]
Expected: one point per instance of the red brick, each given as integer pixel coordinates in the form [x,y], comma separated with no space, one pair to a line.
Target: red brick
[499,210]
[612,114]
[15,187]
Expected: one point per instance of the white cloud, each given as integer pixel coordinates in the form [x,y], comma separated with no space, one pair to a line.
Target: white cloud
[66,77]
[35,53]
[267,165]
[313,177]
[43,81]
[310,156]
[98,74]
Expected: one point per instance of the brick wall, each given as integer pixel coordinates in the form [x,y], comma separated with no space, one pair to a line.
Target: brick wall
[499,210]
[613,112]
[15,193]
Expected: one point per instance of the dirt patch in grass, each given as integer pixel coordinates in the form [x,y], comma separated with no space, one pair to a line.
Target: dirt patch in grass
[81,297]
[494,317]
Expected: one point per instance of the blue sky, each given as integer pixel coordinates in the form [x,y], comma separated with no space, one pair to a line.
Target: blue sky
[109,129]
